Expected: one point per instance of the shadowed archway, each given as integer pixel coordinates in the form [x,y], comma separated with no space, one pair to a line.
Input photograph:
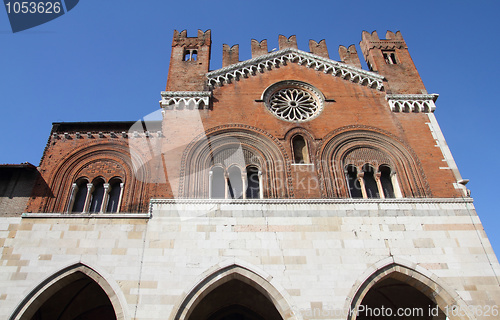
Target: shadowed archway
[234,292]
[402,291]
[74,293]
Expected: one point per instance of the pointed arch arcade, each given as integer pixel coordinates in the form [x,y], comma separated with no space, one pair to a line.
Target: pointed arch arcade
[404,286]
[77,291]
[215,297]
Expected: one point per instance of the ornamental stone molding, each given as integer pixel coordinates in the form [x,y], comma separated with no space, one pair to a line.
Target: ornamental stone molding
[192,100]
[412,102]
[326,201]
[293,101]
[272,60]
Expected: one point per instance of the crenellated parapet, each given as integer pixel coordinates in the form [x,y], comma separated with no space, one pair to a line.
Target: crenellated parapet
[181,39]
[259,48]
[230,55]
[189,61]
[290,42]
[319,48]
[390,57]
[392,41]
[349,56]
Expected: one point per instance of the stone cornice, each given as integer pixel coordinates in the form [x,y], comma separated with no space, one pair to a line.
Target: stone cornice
[314,201]
[87,215]
[274,59]
[412,102]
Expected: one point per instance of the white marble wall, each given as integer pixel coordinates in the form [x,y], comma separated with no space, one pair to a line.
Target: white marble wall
[314,254]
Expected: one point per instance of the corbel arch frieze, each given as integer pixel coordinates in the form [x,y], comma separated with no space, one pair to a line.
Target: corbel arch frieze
[337,145]
[266,152]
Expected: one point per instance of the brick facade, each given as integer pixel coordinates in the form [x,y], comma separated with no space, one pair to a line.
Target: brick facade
[361,195]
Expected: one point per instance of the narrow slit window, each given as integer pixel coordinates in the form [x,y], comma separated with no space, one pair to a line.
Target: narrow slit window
[300,152]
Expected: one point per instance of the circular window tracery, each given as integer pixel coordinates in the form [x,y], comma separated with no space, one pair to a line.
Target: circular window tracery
[293,101]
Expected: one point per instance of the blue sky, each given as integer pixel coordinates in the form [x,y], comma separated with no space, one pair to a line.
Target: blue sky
[108,60]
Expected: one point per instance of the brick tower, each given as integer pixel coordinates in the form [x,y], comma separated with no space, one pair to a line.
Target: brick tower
[286,186]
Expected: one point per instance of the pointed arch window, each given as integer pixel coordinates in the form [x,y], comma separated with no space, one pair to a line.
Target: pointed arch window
[370,183]
[235,183]
[97,196]
[217,183]
[79,195]
[114,194]
[300,150]
[386,181]
[353,182]
[253,183]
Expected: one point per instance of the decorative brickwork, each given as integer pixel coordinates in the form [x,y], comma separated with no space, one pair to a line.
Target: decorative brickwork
[349,145]
[288,187]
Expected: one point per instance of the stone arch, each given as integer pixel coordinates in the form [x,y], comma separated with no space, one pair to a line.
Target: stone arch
[219,276]
[411,275]
[64,278]
[80,162]
[240,145]
[332,155]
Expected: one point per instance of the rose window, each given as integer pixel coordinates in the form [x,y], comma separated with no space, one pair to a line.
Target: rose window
[293,101]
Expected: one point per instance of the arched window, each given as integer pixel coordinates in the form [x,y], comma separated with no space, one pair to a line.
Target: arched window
[235,183]
[80,195]
[97,196]
[353,182]
[114,193]
[253,183]
[218,183]
[386,181]
[300,152]
[370,183]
